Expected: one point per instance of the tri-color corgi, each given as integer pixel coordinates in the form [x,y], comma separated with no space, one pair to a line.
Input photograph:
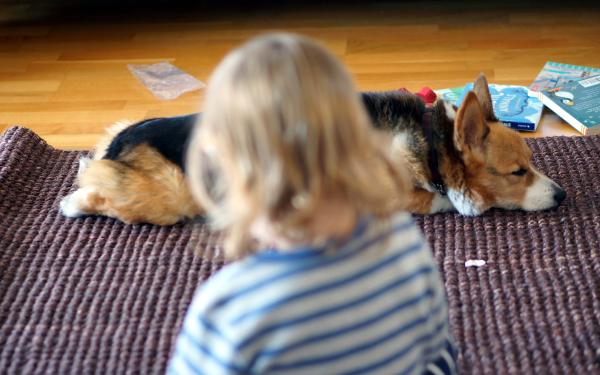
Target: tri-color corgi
[459,159]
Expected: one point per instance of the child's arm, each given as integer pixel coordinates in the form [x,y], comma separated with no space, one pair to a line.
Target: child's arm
[443,352]
[202,348]
[205,344]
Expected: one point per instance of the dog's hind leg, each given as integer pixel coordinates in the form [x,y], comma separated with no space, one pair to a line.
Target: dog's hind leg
[87,199]
[81,202]
[143,187]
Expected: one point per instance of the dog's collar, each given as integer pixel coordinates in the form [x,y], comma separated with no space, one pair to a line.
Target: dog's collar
[437,182]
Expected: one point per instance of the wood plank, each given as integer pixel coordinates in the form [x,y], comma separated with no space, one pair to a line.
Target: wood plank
[68,81]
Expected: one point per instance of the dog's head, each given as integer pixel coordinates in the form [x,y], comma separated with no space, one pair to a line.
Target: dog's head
[498,171]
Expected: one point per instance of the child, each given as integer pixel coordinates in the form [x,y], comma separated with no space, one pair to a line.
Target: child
[285,156]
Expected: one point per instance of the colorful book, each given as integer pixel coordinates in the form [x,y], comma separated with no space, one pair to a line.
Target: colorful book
[515,106]
[556,85]
[578,103]
[554,75]
[451,95]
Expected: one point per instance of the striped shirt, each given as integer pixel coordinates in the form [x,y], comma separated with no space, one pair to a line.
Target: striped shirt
[372,305]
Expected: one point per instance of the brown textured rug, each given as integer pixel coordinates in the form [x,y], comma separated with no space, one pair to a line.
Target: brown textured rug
[96,296]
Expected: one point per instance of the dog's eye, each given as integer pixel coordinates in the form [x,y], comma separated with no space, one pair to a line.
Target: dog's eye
[520,172]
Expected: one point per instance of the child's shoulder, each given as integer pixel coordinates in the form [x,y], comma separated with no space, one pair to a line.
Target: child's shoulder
[399,227]
[266,269]
[402,217]
[396,236]
[227,284]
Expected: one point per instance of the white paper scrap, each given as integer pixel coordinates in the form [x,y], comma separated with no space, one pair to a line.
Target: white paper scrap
[475,263]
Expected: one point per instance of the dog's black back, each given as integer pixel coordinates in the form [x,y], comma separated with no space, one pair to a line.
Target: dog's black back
[393,110]
[168,135]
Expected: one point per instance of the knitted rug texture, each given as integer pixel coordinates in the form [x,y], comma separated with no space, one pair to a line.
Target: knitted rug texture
[93,295]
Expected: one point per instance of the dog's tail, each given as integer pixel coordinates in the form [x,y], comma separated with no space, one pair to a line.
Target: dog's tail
[107,138]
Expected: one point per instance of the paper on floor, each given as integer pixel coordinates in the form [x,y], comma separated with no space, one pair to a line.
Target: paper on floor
[164,80]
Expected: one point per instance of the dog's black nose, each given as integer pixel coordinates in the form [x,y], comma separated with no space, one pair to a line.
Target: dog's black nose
[559,195]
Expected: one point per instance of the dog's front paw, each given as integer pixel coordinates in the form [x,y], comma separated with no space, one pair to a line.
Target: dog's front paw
[466,202]
[441,204]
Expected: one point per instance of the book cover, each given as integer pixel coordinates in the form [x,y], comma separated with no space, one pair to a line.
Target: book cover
[514,106]
[578,103]
[555,75]
[451,95]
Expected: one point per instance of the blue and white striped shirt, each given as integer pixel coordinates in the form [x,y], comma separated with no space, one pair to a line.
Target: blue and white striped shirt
[373,305]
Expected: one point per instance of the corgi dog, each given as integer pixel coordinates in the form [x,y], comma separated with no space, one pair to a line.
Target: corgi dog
[460,159]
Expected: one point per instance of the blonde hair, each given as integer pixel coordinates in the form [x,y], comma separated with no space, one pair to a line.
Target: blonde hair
[282,130]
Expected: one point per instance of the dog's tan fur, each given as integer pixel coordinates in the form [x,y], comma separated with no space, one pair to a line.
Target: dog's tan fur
[141,187]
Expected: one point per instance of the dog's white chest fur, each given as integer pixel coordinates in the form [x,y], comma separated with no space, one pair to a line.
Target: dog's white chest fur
[400,144]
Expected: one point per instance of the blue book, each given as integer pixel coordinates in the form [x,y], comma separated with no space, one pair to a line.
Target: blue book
[555,74]
[450,95]
[578,103]
[515,106]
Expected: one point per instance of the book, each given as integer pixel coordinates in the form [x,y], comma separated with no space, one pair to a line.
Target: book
[515,106]
[554,75]
[578,103]
[451,95]
[556,87]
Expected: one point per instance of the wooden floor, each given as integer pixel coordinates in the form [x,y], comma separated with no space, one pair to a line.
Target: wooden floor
[67,81]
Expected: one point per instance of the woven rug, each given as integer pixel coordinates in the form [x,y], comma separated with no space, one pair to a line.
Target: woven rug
[94,295]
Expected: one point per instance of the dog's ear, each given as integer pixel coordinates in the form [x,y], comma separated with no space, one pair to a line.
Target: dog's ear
[470,127]
[482,91]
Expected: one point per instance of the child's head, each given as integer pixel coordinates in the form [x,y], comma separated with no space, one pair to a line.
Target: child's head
[283,131]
